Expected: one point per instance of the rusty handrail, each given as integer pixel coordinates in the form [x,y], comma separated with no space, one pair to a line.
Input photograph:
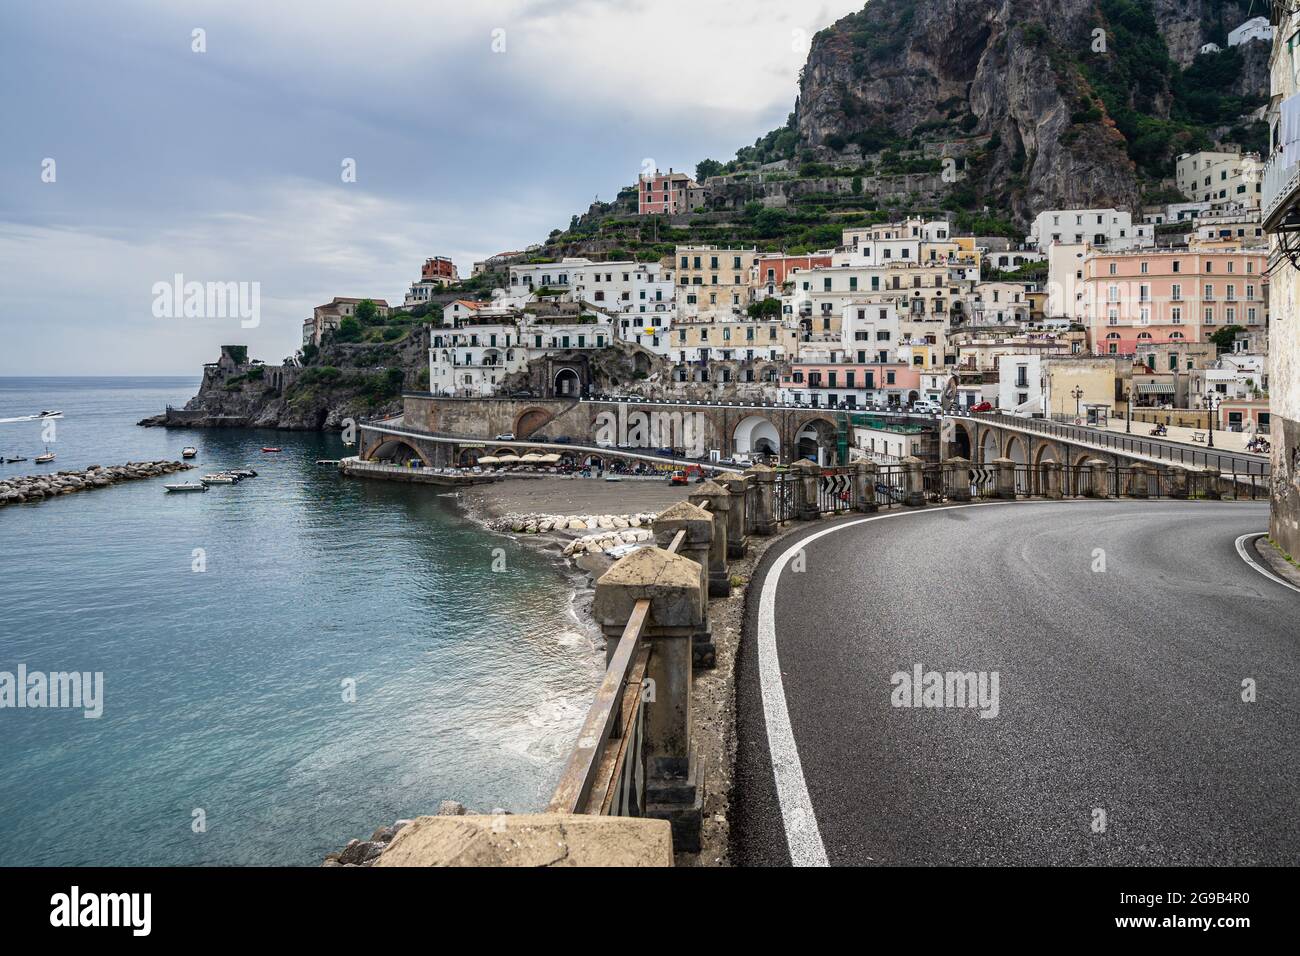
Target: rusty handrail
[574,790]
[575,783]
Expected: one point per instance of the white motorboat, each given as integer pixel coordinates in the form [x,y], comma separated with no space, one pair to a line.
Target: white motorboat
[219,479]
[187,486]
[44,459]
[189,451]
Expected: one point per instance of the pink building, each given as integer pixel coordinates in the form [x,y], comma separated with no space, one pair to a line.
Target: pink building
[1150,296]
[664,193]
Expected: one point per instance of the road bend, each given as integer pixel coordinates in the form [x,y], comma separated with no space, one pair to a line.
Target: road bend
[1121,634]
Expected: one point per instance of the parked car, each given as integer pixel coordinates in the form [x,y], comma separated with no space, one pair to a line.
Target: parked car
[507,436]
[562,440]
[926,407]
[982,407]
[677,478]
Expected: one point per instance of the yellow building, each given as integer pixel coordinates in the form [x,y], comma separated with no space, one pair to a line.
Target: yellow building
[710,277]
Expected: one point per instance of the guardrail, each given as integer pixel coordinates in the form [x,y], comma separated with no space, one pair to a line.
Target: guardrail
[634,756]
[1172,452]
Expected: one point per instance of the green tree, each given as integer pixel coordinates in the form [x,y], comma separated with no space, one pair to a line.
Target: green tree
[349,330]
[767,308]
[1222,338]
[366,312]
[706,168]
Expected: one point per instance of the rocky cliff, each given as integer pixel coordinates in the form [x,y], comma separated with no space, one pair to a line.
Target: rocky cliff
[1081,102]
[345,380]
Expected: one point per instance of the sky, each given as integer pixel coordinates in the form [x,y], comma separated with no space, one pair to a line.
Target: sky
[135,150]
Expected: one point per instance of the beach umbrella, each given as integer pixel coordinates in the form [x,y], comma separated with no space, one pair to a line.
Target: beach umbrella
[488,460]
[532,456]
[508,459]
[550,459]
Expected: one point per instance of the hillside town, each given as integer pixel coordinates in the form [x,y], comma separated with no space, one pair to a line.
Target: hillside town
[1098,315]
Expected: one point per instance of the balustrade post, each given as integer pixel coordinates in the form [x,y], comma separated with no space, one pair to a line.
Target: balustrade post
[1006,469]
[765,510]
[1179,486]
[1213,483]
[808,475]
[671,583]
[864,486]
[737,530]
[913,481]
[1138,481]
[719,503]
[1051,473]
[958,479]
[1100,479]
[696,545]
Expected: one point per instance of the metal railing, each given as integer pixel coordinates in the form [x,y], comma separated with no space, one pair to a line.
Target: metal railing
[1172,452]
[835,490]
[605,774]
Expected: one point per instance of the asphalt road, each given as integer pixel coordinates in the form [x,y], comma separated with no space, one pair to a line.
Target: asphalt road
[1119,690]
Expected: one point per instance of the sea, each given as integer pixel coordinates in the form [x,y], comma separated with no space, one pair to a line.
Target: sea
[287,663]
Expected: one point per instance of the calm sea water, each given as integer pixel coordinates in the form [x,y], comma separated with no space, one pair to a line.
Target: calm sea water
[224,688]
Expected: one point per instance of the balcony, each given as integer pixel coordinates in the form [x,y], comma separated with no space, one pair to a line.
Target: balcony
[1280,187]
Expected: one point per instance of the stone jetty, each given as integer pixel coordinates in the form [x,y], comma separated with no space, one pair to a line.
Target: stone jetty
[39,487]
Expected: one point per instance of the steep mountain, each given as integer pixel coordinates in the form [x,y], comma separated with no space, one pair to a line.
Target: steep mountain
[1069,102]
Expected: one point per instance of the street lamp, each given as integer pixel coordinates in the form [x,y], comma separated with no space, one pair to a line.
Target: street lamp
[1128,415]
[1077,393]
[1212,406]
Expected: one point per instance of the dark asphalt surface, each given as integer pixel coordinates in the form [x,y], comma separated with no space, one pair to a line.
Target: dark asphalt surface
[1118,690]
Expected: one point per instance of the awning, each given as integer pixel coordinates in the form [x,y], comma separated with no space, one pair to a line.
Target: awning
[550,459]
[488,460]
[507,459]
[532,457]
[1155,388]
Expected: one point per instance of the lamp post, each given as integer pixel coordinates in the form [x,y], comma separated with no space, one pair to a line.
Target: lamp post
[1077,394]
[1128,415]
[1212,406]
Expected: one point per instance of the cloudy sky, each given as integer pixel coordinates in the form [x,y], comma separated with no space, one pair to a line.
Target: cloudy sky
[226,165]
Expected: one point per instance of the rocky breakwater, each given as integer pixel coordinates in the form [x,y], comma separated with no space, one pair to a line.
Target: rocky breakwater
[39,487]
[591,534]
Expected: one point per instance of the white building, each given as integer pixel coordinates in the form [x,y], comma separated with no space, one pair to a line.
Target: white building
[1256,28]
[530,277]
[1065,287]
[1020,382]
[1218,176]
[1112,228]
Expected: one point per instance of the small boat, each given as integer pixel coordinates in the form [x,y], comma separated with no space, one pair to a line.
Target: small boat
[13,460]
[218,479]
[45,459]
[50,414]
[242,473]
[187,486]
[189,451]
[613,478]
[271,448]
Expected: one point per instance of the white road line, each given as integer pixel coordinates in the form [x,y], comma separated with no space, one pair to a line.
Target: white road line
[802,835]
[1245,556]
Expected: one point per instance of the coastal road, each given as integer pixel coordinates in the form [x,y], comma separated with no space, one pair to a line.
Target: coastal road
[1121,633]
